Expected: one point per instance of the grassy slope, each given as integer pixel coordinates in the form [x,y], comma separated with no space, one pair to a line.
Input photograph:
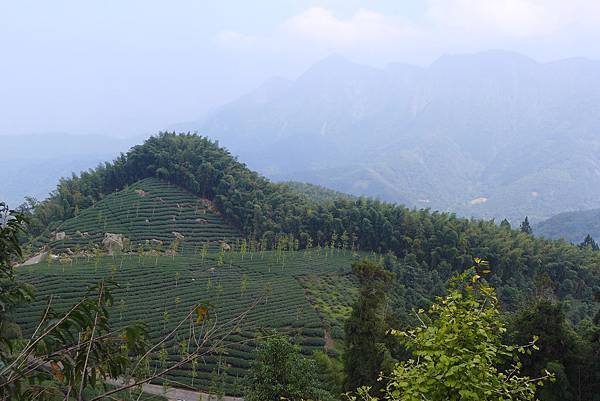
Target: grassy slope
[148,289]
[308,294]
[163,209]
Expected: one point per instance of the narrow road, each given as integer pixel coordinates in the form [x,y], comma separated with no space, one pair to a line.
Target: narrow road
[176,394]
[173,393]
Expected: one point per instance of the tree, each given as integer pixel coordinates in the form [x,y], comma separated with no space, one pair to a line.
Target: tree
[332,370]
[526,227]
[366,351]
[244,248]
[12,293]
[593,337]
[589,243]
[562,351]
[244,284]
[457,351]
[280,372]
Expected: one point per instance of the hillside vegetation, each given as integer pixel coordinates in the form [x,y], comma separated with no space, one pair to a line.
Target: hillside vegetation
[150,210]
[161,290]
[317,193]
[287,250]
[271,213]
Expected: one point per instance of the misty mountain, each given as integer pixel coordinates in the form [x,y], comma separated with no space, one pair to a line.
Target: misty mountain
[492,134]
[31,165]
[572,226]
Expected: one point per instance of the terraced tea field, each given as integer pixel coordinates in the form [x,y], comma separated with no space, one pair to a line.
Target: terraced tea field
[161,291]
[332,295]
[149,209]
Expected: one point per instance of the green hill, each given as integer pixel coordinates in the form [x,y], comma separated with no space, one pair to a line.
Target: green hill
[148,210]
[152,288]
[273,213]
[572,226]
[290,247]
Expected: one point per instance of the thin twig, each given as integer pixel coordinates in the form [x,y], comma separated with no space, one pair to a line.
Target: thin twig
[89,348]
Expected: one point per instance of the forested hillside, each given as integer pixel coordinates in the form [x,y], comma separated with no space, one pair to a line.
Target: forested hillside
[436,242]
[317,193]
[300,200]
[202,227]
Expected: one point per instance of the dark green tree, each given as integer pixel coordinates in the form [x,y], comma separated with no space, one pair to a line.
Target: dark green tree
[332,372]
[457,351]
[280,372]
[561,351]
[12,292]
[593,337]
[589,243]
[367,353]
[505,224]
[526,227]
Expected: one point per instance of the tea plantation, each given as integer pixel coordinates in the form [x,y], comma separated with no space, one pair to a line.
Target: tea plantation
[161,290]
[149,209]
[332,295]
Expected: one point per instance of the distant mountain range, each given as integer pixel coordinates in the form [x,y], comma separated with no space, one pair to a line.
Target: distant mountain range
[490,135]
[572,226]
[30,165]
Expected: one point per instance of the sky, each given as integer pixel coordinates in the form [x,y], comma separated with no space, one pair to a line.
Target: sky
[129,68]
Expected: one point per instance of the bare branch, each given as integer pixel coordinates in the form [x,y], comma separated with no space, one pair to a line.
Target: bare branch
[208,336]
[89,348]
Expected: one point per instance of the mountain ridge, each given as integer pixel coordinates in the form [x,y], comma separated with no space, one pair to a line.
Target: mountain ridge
[446,127]
[571,226]
[123,197]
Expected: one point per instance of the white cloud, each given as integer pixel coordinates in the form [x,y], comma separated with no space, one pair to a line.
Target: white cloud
[365,27]
[543,29]
[233,39]
[497,18]
[445,26]
[366,36]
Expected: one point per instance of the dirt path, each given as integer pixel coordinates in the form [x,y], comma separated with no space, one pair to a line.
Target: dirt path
[179,394]
[175,394]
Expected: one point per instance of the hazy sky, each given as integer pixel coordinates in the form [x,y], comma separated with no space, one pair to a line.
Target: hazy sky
[133,67]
